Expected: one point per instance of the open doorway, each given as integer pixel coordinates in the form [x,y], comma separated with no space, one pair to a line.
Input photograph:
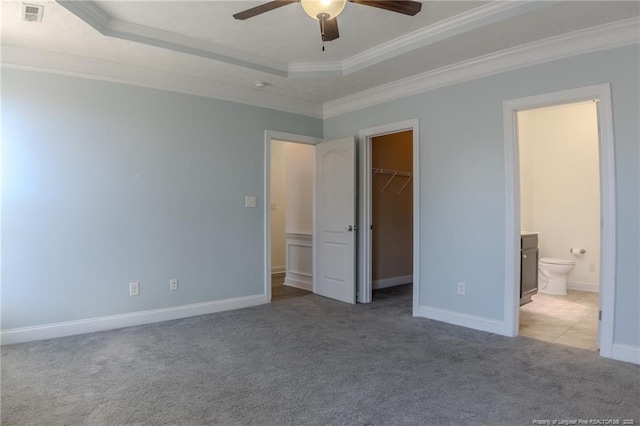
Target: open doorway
[600,97]
[291,207]
[333,249]
[341,250]
[560,224]
[389,212]
[391,215]
[290,258]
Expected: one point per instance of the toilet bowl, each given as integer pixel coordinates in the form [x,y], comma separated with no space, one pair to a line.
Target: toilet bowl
[553,275]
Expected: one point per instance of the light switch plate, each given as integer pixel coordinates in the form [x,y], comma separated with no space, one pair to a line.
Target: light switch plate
[250,201]
[134,289]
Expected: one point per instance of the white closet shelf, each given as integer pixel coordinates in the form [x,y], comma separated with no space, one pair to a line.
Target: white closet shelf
[390,172]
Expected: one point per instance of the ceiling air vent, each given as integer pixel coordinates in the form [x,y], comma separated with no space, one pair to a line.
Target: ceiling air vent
[32,12]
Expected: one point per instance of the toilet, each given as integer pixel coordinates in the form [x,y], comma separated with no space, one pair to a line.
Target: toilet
[553,275]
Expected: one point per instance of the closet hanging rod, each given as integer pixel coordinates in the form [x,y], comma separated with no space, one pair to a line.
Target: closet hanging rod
[390,172]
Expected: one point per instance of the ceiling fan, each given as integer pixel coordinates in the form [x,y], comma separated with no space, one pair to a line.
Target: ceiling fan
[327,11]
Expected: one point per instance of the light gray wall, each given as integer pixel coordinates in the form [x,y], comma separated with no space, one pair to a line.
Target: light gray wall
[463,183]
[103,184]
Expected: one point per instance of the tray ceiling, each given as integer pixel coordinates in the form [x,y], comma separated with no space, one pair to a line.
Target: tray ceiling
[201,40]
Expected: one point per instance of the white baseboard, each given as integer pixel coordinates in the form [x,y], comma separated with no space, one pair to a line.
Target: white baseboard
[575,285]
[275,270]
[464,320]
[69,328]
[392,282]
[626,353]
[303,284]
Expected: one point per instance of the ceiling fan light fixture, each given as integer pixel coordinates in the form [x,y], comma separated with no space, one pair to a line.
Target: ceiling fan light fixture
[321,8]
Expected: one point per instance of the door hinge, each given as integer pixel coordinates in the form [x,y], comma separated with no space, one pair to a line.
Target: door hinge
[599,315]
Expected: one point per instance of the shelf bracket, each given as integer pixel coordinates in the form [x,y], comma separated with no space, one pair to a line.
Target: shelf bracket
[388,182]
[405,184]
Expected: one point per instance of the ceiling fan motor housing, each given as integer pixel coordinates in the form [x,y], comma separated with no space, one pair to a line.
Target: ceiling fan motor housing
[323,9]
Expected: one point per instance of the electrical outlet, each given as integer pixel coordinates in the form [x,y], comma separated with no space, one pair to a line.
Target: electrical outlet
[173,284]
[462,289]
[134,289]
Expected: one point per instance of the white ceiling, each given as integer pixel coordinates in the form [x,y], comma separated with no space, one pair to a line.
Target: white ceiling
[200,41]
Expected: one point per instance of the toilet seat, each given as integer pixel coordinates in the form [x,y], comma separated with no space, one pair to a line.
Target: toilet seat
[553,261]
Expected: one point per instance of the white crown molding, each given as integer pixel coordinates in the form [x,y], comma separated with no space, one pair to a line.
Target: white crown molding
[315,69]
[96,69]
[593,39]
[193,46]
[89,12]
[458,24]
[93,15]
[579,42]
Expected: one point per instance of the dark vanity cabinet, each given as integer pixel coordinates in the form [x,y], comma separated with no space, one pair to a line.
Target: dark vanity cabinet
[528,266]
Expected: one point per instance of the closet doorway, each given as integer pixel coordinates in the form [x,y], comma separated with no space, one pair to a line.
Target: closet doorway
[389,212]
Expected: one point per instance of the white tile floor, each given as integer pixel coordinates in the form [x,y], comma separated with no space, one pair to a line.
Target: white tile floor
[570,320]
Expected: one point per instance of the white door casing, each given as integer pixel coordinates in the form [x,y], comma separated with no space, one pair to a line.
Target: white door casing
[269,136]
[365,213]
[602,94]
[335,224]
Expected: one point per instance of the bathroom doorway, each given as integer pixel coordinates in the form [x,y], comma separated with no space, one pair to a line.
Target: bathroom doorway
[560,217]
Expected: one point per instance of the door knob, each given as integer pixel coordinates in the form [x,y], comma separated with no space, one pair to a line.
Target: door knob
[351,228]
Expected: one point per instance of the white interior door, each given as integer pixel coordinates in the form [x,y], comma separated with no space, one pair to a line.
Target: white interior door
[335,232]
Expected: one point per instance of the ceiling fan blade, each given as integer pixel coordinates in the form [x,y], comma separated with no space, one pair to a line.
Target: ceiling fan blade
[405,7]
[330,29]
[266,7]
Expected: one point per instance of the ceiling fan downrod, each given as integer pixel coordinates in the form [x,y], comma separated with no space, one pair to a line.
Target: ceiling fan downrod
[322,17]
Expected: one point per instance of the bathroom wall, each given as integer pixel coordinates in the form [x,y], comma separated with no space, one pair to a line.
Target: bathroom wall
[560,191]
[278,205]
[392,211]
